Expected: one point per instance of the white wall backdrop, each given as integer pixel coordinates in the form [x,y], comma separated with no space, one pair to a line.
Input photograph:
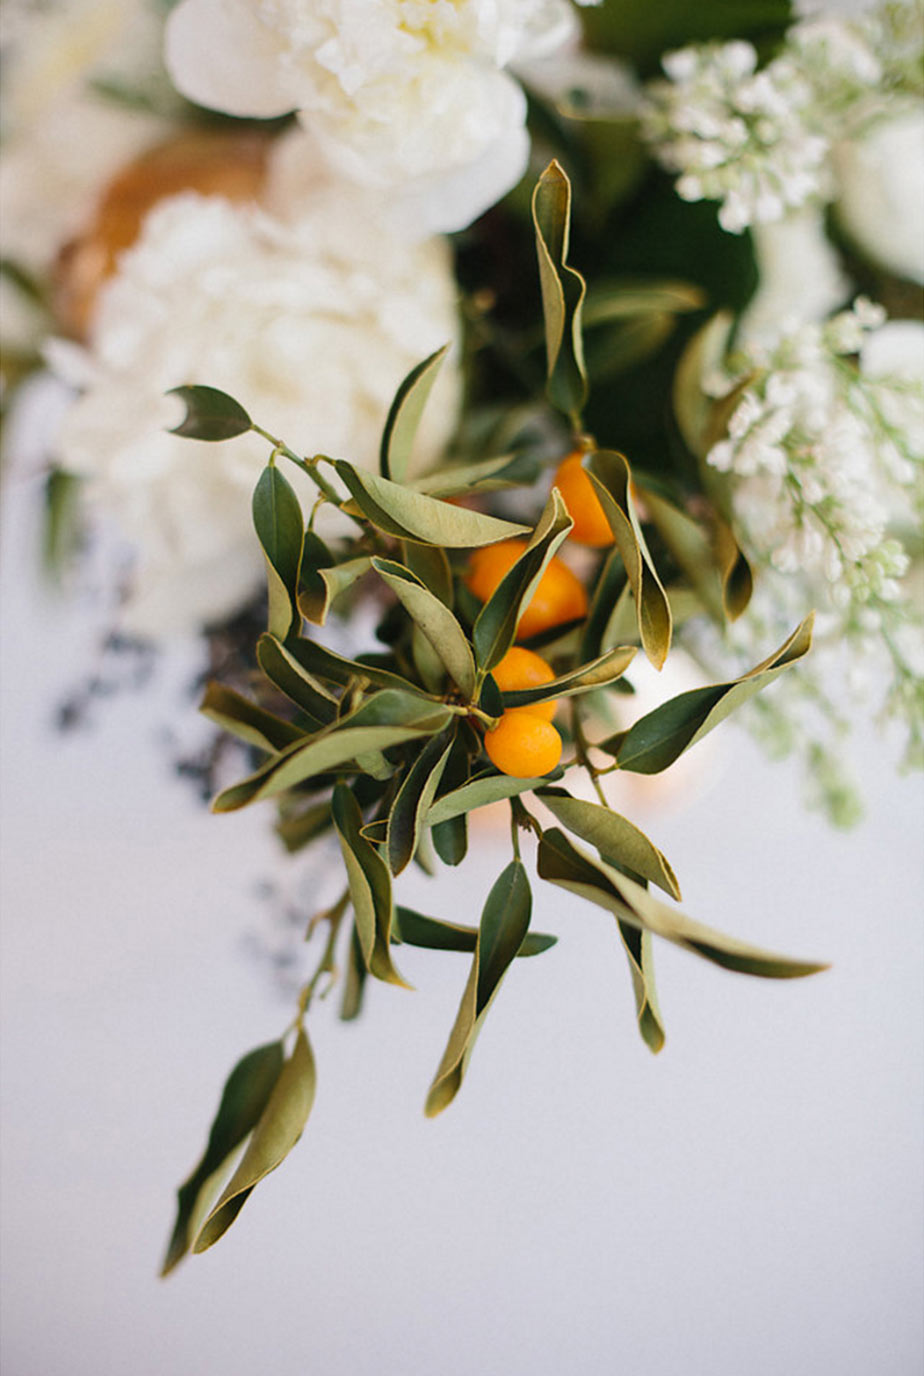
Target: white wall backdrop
[750,1201]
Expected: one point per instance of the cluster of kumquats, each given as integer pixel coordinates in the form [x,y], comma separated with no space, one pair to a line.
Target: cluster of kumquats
[525,743]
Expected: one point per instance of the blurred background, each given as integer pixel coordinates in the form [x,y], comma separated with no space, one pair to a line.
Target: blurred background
[751,1200]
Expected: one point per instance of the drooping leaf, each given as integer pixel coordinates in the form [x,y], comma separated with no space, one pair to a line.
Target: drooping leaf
[322,586]
[301,687]
[413,800]
[280,527]
[297,829]
[321,663]
[370,887]
[637,945]
[622,299]
[617,839]
[496,626]
[244,719]
[480,791]
[410,515]
[245,1096]
[404,416]
[435,620]
[504,924]
[690,548]
[332,749]
[585,678]
[734,570]
[562,293]
[657,739]
[210,414]
[355,980]
[611,581]
[483,475]
[431,565]
[281,1124]
[564,864]
[415,929]
[612,477]
[450,839]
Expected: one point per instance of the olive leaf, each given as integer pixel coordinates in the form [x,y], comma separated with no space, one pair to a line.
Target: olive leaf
[610,583]
[621,299]
[296,829]
[564,864]
[280,1125]
[245,1095]
[415,929]
[210,414]
[413,800]
[496,626]
[370,887]
[617,839]
[584,679]
[482,790]
[637,945]
[562,293]
[450,839]
[435,620]
[657,739]
[244,719]
[355,980]
[404,416]
[690,548]
[300,686]
[280,527]
[330,749]
[322,586]
[734,570]
[431,566]
[504,924]
[612,477]
[483,475]
[410,515]
[318,662]
[693,409]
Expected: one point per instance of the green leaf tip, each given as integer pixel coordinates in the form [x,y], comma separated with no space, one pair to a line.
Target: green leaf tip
[210,414]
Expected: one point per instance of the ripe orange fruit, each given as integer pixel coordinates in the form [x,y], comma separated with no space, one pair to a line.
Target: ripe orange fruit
[584,506]
[559,597]
[523,745]
[521,668]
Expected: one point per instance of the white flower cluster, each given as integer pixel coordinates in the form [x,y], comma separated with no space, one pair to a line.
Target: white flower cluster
[825,456]
[311,325]
[410,95]
[737,135]
[763,141]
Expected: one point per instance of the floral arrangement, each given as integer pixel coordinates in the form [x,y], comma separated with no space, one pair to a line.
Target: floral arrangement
[479,351]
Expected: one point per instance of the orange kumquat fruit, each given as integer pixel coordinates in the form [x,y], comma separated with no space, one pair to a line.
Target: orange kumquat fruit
[523,745]
[521,668]
[559,597]
[584,506]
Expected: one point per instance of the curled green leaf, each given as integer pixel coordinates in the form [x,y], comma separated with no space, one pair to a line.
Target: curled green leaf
[405,414]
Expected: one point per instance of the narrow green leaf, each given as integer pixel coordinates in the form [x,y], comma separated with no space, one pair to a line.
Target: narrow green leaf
[657,739]
[370,887]
[480,791]
[413,800]
[410,515]
[322,586]
[619,299]
[691,548]
[244,719]
[331,749]
[280,527]
[504,924]
[692,407]
[734,570]
[484,475]
[435,620]
[404,416]
[355,980]
[415,929]
[301,687]
[615,837]
[210,414]
[297,829]
[431,566]
[562,292]
[637,945]
[320,663]
[245,1096]
[611,581]
[564,864]
[450,839]
[281,1124]
[496,626]
[586,677]
[611,477]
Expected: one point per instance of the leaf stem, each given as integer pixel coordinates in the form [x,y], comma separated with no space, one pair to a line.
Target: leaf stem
[327,964]
[583,757]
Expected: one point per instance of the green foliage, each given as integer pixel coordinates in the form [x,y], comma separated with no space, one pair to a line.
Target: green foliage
[387,749]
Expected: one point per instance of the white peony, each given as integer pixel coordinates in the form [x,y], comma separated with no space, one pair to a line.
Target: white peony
[880,198]
[62,139]
[310,326]
[400,94]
